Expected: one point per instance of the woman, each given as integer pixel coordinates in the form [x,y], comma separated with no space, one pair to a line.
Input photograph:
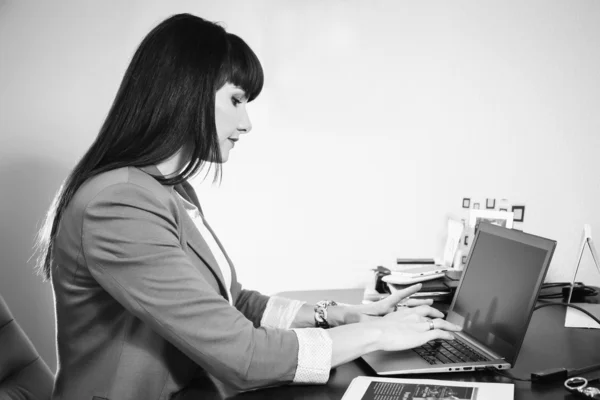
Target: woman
[147,300]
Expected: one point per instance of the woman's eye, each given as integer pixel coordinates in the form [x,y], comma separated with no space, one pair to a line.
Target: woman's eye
[235,101]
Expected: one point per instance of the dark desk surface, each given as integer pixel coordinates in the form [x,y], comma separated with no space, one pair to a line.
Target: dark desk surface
[548,344]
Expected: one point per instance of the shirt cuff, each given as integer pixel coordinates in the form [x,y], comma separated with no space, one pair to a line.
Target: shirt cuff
[280,312]
[314,356]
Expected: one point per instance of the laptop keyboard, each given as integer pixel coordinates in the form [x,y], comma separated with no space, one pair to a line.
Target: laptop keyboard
[448,352]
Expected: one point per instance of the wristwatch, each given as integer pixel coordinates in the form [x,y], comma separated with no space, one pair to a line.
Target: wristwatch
[321,313]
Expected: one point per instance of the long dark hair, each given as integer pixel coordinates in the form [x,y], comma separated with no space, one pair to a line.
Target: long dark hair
[166,103]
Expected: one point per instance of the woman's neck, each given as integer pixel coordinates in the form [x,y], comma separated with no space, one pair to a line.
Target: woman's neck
[172,165]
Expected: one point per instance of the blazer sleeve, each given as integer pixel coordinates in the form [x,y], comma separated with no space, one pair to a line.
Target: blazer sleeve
[131,246]
[252,304]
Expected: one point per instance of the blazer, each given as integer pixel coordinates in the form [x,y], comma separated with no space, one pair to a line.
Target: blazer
[141,306]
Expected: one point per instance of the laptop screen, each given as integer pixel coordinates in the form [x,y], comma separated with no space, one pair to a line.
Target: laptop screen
[499,287]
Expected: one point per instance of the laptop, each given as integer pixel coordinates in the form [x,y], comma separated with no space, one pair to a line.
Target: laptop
[493,304]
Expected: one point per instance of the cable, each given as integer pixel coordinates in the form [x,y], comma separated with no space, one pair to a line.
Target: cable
[545,295]
[549,375]
[580,291]
[555,374]
[514,378]
[572,306]
[584,370]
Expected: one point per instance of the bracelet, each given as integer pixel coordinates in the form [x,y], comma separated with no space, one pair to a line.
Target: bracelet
[321,313]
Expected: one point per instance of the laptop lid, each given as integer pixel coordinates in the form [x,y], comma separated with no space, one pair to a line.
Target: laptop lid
[495,298]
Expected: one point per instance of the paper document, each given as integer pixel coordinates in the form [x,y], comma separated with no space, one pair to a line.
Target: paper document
[455,231]
[576,319]
[370,388]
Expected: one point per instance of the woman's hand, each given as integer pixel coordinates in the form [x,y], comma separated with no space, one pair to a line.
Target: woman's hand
[391,302]
[412,332]
[404,329]
[399,301]
[410,327]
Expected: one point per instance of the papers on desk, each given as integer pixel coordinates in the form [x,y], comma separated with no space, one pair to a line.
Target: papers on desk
[400,279]
[576,319]
[369,388]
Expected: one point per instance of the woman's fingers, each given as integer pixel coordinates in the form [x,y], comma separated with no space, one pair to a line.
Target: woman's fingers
[427,311]
[438,334]
[395,297]
[389,304]
[416,302]
[399,297]
[438,324]
[406,335]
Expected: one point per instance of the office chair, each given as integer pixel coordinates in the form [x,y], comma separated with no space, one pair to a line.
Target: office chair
[23,373]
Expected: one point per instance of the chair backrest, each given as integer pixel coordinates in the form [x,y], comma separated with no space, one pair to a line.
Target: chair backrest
[23,373]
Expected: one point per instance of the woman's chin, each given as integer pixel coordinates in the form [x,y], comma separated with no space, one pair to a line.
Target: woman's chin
[224,156]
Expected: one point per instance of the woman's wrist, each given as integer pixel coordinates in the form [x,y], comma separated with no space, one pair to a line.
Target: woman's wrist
[322,317]
[354,340]
[344,315]
[375,332]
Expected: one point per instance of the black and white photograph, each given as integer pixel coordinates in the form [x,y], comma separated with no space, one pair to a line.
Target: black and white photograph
[209,199]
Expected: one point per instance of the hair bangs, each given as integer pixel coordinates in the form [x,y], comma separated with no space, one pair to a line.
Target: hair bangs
[242,68]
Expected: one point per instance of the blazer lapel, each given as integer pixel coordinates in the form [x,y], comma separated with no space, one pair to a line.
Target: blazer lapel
[233,274]
[196,242]
[187,192]
[192,236]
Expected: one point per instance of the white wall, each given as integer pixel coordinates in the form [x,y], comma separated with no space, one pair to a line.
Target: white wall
[376,119]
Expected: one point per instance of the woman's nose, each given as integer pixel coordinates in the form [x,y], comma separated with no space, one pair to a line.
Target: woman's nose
[245,126]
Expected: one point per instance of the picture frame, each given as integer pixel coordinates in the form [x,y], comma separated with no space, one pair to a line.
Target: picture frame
[466,202]
[519,213]
[490,204]
[500,218]
[476,206]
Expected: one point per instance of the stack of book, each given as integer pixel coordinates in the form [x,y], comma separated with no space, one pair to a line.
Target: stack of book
[438,281]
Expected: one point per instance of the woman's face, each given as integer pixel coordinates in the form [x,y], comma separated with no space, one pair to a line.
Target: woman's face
[231,117]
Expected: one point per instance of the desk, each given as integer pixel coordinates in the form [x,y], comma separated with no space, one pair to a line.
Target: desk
[548,344]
